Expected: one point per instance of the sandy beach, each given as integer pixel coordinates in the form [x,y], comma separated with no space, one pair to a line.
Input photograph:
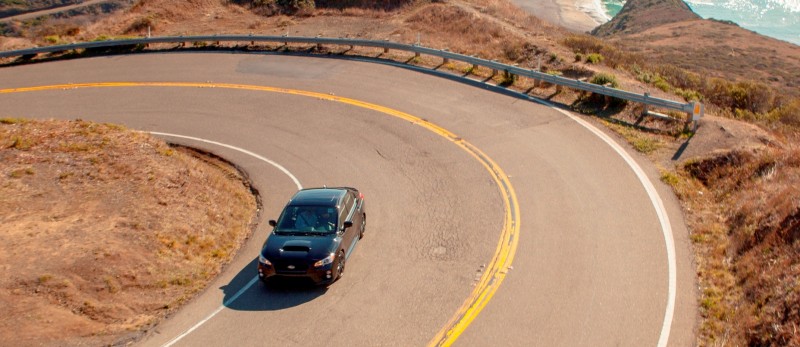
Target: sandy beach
[575,15]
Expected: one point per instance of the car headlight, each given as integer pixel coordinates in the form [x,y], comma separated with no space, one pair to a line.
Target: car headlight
[263,260]
[327,260]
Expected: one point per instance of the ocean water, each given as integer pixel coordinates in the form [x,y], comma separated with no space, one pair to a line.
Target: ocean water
[776,18]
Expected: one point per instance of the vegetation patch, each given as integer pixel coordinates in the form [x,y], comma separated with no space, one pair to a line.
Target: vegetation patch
[747,260]
[102,200]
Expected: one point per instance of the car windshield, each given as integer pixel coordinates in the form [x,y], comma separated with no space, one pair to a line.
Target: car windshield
[307,219]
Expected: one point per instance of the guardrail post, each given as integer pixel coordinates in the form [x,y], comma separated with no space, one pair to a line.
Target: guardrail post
[694,116]
[416,54]
[509,77]
[646,106]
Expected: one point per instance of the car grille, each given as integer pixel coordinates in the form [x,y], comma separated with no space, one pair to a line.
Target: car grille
[284,267]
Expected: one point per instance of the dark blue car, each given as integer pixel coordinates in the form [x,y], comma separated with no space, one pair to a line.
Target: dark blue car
[314,235]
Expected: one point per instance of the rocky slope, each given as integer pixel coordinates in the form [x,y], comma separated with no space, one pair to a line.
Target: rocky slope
[639,15]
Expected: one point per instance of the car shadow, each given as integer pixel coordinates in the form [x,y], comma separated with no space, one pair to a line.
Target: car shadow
[246,293]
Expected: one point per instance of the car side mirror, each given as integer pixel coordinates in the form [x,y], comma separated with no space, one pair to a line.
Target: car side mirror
[273,222]
[347,224]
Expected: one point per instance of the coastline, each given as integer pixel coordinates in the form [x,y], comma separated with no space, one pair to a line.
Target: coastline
[574,15]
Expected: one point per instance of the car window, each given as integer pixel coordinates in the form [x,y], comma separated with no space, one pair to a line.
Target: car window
[307,219]
[347,205]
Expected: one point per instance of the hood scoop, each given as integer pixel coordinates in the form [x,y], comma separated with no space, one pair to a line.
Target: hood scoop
[295,248]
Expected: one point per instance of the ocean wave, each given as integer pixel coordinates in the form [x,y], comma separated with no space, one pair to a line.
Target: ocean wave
[751,5]
[594,8]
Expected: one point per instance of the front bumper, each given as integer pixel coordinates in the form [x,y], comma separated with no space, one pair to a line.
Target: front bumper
[319,275]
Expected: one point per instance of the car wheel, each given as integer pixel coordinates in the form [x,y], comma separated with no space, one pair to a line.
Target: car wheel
[340,262]
[363,226]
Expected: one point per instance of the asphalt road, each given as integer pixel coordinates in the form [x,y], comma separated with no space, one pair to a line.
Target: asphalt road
[591,266]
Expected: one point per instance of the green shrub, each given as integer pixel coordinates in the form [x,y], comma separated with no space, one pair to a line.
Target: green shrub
[689,95]
[52,39]
[142,24]
[605,79]
[612,56]
[579,57]
[594,58]
[21,143]
[788,114]
[7,120]
[670,178]
[609,80]
[660,83]
[585,44]
[297,6]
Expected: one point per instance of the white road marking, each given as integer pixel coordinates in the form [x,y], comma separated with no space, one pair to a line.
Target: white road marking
[218,310]
[663,218]
[276,165]
[255,278]
[655,198]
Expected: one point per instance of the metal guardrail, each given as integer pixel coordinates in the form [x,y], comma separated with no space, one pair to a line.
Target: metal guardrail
[694,110]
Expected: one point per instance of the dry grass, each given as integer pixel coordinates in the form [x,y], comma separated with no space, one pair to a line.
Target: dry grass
[745,221]
[107,229]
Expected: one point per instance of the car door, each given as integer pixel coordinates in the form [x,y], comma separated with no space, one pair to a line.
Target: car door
[350,235]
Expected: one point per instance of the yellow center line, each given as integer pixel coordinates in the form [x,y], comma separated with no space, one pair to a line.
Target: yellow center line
[497,269]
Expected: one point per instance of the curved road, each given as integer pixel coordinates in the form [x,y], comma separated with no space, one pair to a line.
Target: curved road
[591,265]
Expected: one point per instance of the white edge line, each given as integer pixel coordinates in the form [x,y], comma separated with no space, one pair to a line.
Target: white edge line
[255,278]
[663,218]
[655,198]
[652,193]
[218,310]
[276,165]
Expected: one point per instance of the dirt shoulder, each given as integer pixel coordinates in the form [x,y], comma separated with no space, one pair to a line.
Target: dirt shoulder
[105,230]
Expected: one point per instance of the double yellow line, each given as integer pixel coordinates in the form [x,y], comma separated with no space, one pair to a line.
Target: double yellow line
[504,254]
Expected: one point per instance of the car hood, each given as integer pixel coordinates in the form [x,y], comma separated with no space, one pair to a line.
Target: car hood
[296,246]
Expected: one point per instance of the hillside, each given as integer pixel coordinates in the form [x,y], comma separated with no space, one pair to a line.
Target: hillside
[668,32]
[639,15]
[736,180]
[127,218]
[740,203]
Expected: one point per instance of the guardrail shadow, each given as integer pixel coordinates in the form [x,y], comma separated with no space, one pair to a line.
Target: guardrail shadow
[278,295]
[679,153]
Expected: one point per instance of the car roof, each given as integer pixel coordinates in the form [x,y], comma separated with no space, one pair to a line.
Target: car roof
[318,197]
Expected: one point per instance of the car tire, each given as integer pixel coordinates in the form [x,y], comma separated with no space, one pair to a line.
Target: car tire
[363,226]
[340,265]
